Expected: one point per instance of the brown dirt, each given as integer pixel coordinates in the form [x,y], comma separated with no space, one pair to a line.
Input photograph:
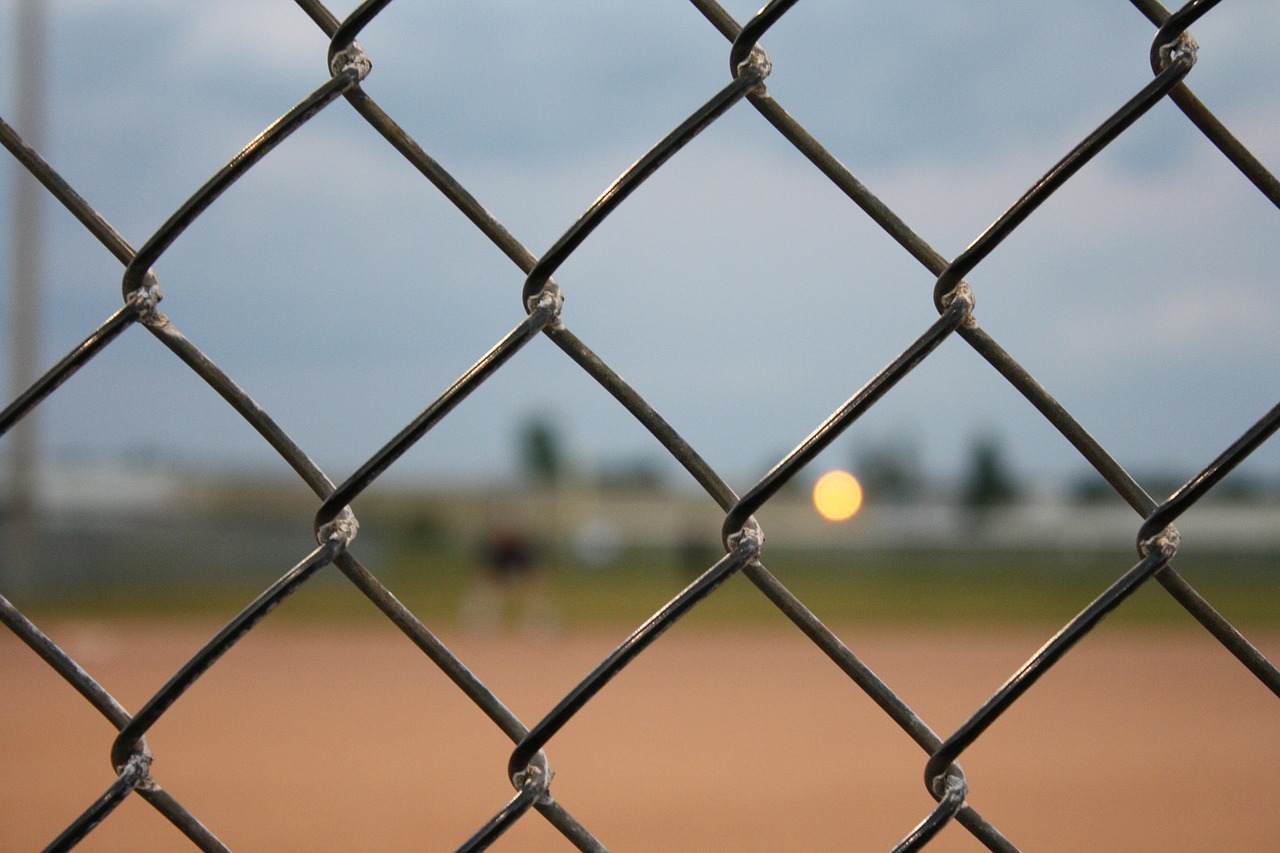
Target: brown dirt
[325,739]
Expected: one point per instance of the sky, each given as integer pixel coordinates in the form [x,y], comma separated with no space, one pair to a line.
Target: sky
[738,291]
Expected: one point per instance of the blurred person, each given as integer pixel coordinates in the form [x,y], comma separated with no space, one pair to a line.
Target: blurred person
[511,577]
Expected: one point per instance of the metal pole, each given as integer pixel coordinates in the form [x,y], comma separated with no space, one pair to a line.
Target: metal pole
[24,334]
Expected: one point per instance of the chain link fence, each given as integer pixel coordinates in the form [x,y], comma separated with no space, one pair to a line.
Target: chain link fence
[1172,57]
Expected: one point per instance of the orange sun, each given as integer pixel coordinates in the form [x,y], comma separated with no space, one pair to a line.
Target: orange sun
[837,495]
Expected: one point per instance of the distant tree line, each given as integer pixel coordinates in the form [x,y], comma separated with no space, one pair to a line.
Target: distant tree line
[891,471]
[545,462]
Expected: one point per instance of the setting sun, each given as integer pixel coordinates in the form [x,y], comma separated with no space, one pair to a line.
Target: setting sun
[837,495]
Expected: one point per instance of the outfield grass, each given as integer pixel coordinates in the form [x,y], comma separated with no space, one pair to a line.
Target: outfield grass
[951,588]
[1001,588]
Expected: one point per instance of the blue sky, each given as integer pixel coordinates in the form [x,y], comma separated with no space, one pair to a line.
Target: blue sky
[737,290]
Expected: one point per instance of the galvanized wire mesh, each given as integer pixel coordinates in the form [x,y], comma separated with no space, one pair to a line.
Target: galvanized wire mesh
[1172,56]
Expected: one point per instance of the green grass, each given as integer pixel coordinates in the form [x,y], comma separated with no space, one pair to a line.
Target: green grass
[951,589]
[891,588]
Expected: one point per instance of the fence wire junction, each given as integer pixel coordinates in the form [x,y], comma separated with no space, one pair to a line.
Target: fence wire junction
[1172,56]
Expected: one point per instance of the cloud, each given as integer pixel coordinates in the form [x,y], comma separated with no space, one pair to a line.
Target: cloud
[261,39]
[737,290]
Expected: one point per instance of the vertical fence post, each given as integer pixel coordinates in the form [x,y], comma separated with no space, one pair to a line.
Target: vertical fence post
[24,335]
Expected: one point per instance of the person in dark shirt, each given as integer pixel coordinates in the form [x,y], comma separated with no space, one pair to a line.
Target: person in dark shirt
[511,578]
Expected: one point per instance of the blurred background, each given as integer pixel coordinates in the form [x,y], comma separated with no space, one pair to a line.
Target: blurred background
[343,293]
[745,298]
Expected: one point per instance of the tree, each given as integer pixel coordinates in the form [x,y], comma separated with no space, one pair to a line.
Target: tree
[890,470]
[989,480]
[541,450]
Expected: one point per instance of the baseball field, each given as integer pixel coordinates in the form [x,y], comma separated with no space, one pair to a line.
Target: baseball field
[340,736]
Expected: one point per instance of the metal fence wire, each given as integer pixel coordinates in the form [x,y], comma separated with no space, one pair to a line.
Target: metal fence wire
[1172,56]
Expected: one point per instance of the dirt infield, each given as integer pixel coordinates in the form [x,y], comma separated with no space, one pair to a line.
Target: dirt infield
[332,739]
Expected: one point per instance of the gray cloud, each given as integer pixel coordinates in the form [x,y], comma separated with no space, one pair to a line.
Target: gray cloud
[737,290]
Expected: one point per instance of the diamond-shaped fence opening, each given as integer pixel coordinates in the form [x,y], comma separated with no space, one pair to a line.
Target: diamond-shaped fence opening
[477,315]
